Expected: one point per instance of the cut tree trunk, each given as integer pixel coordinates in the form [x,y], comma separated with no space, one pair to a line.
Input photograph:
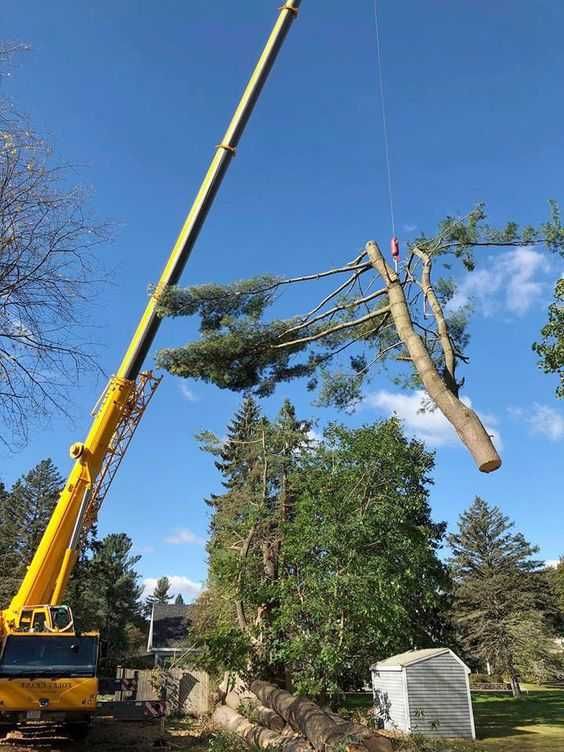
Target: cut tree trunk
[315,724]
[235,699]
[464,420]
[268,717]
[254,734]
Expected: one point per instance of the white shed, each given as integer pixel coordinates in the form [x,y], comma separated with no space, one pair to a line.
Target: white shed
[424,692]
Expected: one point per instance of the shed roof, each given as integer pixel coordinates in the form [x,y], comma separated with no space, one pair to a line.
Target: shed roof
[406,659]
[169,626]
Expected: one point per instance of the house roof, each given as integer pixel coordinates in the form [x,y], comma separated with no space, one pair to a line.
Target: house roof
[406,659]
[169,626]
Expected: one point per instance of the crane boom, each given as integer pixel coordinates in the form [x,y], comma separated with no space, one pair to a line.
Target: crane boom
[51,566]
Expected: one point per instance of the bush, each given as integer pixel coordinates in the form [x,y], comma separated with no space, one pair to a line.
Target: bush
[222,741]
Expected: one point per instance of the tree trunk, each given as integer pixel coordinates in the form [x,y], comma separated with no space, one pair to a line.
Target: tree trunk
[255,735]
[269,718]
[515,688]
[234,700]
[463,419]
[314,723]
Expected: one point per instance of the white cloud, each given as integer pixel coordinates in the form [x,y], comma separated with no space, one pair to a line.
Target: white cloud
[178,584]
[542,420]
[510,281]
[551,563]
[409,228]
[183,536]
[430,425]
[187,393]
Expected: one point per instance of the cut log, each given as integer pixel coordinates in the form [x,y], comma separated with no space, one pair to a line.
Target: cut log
[234,700]
[302,714]
[269,718]
[240,699]
[254,734]
[317,725]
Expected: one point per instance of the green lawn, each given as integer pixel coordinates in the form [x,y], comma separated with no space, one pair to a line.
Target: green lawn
[534,723]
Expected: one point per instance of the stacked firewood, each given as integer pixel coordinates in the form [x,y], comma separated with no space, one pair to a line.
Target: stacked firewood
[267,716]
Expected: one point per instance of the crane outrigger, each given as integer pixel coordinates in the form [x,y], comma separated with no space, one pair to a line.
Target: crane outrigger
[48,669]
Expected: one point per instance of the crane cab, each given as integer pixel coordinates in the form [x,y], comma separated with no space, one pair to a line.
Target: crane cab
[45,619]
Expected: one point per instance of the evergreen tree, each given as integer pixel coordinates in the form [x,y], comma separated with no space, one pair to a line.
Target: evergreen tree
[24,514]
[160,594]
[246,537]
[347,338]
[9,555]
[555,578]
[107,595]
[33,499]
[241,462]
[497,591]
[179,600]
[237,455]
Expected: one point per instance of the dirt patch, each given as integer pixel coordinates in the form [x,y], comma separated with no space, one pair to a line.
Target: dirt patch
[118,736]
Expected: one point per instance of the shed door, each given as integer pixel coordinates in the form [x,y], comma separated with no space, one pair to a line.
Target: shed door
[438,697]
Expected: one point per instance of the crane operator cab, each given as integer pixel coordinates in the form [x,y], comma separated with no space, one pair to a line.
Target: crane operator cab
[45,619]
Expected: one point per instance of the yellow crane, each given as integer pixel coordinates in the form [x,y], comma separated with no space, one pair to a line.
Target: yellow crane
[48,669]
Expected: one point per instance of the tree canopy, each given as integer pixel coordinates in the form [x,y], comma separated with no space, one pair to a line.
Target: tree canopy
[322,554]
[551,347]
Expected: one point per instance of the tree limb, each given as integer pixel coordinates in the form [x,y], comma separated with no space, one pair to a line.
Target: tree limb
[336,328]
[442,328]
[464,420]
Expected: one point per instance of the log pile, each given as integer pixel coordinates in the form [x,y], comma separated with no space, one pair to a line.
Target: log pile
[269,717]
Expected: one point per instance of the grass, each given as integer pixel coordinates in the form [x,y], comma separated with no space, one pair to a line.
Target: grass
[534,723]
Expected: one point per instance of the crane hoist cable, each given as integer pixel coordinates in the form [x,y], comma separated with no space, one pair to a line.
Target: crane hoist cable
[394,242]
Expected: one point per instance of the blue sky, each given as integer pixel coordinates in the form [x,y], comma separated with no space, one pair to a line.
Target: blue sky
[137,94]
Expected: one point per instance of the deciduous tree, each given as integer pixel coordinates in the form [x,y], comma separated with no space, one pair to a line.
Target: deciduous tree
[551,347]
[46,273]
[323,554]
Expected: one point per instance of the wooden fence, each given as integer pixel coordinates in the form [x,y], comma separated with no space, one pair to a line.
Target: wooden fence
[186,692]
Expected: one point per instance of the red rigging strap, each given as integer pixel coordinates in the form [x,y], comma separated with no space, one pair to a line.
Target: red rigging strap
[395,248]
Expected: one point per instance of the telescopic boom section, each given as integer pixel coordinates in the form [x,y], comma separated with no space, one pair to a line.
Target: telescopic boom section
[149,323]
[51,566]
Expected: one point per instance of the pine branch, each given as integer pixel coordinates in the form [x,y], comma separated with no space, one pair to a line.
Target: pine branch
[336,328]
